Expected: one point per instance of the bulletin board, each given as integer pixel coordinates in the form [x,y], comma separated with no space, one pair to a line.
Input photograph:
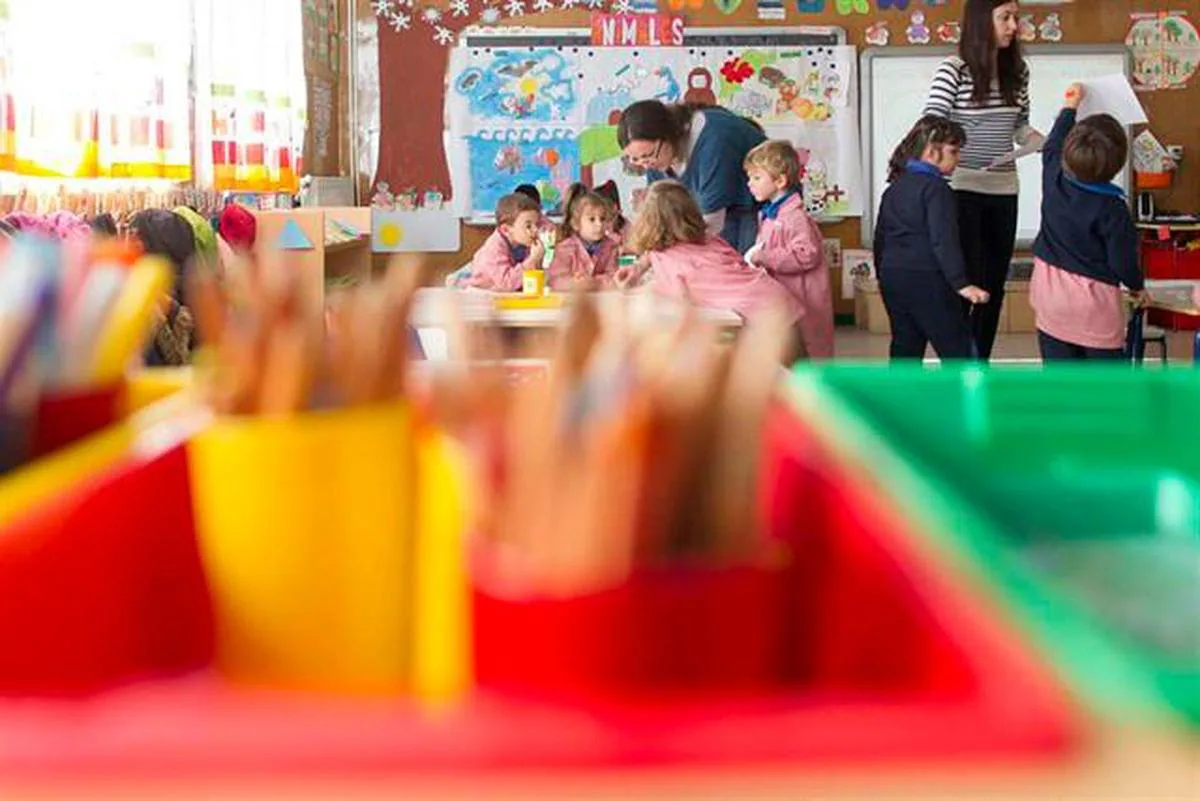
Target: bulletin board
[539,106]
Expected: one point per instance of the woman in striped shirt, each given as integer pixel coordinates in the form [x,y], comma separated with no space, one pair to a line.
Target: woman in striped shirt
[985,88]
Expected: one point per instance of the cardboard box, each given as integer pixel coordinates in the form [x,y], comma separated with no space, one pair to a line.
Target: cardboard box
[870,315]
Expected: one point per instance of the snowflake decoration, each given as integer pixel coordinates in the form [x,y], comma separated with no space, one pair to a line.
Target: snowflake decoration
[400,21]
[404,3]
[383,8]
[621,7]
[460,8]
[489,15]
[515,8]
[431,15]
[594,5]
[443,36]
[568,4]
[542,5]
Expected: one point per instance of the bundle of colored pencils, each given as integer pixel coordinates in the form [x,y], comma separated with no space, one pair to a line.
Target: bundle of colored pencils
[73,317]
[274,351]
[636,451]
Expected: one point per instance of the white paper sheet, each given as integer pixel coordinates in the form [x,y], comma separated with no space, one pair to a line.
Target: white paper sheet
[1113,95]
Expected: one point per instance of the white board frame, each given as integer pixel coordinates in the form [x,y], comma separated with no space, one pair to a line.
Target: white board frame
[867,97]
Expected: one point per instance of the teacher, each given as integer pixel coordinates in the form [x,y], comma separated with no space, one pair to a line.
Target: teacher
[985,88]
[702,147]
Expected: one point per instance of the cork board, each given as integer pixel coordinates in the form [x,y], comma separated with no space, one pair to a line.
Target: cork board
[412,68]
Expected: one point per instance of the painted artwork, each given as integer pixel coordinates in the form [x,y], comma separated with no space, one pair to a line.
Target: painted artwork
[535,86]
[1165,49]
[804,94]
[500,162]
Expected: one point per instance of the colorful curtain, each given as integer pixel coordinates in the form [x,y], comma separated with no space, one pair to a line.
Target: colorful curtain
[95,90]
[251,90]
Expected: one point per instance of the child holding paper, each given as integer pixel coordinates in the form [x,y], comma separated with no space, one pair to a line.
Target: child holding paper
[1087,247]
[789,244]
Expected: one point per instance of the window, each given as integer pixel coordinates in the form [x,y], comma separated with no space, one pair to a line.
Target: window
[92,90]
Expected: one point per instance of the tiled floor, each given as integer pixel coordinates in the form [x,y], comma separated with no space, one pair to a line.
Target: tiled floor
[853,343]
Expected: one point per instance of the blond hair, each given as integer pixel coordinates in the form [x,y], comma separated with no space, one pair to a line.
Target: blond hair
[669,216]
[776,157]
[512,206]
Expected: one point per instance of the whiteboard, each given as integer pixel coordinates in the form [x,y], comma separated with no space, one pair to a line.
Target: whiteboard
[895,84]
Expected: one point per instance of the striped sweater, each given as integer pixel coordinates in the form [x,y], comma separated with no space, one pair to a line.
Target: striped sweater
[991,126]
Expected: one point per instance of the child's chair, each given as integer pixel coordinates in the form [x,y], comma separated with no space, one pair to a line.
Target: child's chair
[1139,334]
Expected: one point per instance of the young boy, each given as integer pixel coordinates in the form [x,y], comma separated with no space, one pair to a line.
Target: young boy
[1087,247]
[789,244]
[513,248]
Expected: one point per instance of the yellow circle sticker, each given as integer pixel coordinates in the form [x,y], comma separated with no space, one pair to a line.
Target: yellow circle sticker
[390,234]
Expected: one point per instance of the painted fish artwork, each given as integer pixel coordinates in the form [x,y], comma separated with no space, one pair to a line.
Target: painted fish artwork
[499,163]
[520,86]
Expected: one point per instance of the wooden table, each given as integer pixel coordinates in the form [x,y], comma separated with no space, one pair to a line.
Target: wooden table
[1178,297]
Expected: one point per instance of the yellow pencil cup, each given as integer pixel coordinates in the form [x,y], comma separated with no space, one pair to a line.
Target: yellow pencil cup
[534,282]
[307,529]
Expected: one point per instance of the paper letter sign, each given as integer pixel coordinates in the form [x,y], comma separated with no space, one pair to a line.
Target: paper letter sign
[637,30]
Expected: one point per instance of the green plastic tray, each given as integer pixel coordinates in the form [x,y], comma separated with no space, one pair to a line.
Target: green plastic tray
[1074,492]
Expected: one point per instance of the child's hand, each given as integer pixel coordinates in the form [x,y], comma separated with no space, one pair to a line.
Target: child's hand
[974,294]
[1140,299]
[624,277]
[537,252]
[754,256]
[1074,97]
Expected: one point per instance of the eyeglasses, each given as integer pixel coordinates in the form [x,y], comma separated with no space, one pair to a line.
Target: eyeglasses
[647,159]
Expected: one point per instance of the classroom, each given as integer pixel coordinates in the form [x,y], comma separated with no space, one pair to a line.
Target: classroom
[599,399]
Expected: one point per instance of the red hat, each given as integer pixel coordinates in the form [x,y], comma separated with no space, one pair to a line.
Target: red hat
[238,227]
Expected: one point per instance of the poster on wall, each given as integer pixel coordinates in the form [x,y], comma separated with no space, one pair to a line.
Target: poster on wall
[544,111]
[1165,49]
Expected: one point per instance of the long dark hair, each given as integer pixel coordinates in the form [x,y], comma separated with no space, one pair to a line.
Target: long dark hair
[976,47]
[929,130]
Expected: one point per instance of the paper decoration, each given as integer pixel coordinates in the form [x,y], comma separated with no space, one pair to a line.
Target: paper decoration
[810,6]
[1026,28]
[878,34]
[637,30]
[514,8]
[917,31]
[460,8]
[899,5]
[949,32]
[681,5]
[727,6]
[1149,155]
[832,248]
[292,238]
[856,264]
[1165,49]
[420,231]
[770,10]
[845,7]
[1051,29]
[621,7]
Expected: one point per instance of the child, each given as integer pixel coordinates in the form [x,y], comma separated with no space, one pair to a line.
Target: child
[690,264]
[545,226]
[618,224]
[1087,247]
[918,255]
[512,248]
[586,250]
[165,234]
[789,244]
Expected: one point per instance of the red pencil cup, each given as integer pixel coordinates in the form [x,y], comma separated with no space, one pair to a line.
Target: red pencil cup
[66,416]
[683,631]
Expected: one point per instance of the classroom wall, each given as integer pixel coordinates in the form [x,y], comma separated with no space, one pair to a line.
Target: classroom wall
[412,70]
[326,76]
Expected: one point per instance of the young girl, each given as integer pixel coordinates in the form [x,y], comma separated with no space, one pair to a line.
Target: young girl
[499,265]
[789,245]
[688,263]
[586,250]
[918,255]
[166,234]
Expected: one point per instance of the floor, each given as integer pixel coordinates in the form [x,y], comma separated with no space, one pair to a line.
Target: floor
[856,344]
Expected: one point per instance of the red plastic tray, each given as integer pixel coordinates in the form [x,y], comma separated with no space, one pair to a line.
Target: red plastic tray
[891,660]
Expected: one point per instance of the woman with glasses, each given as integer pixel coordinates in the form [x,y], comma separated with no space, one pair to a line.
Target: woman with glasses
[702,147]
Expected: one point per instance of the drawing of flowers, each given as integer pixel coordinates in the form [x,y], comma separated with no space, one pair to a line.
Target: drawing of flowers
[737,71]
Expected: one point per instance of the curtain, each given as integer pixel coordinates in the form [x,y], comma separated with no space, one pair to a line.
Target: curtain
[250,99]
[96,90]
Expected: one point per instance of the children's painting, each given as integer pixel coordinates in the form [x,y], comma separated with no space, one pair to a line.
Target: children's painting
[512,87]
[806,94]
[1165,49]
[497,163]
